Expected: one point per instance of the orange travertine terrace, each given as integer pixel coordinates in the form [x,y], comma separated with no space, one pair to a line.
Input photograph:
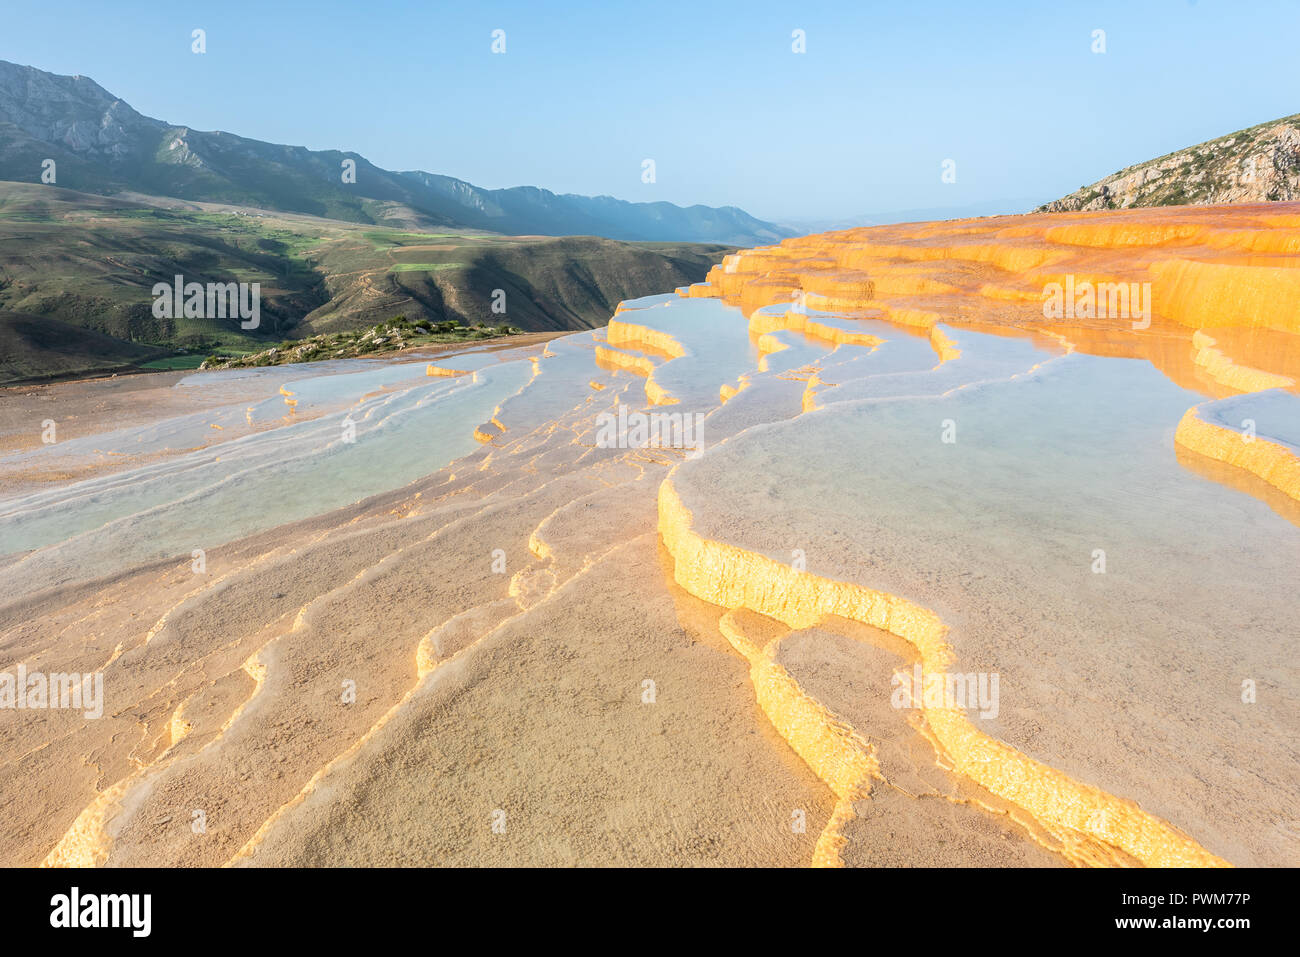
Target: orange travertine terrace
[519,685]
[1224,317]
[1223,294]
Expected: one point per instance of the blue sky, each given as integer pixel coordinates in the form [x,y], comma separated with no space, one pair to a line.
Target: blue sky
[860,123]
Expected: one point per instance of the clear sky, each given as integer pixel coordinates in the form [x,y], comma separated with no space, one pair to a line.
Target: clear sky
[712,92]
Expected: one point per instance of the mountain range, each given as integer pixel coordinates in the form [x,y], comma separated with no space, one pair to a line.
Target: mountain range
[100,144]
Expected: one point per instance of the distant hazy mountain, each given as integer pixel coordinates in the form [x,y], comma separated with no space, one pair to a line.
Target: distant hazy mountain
[1258,165]
[101,145]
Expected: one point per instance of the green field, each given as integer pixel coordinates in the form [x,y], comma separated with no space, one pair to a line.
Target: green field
[423,267]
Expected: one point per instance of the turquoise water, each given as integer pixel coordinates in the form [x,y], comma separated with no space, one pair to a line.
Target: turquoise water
[715,339]
[208,497]
[1274,412]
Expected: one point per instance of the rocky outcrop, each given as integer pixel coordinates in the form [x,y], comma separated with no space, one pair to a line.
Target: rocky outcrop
[72,112]
[1261,164]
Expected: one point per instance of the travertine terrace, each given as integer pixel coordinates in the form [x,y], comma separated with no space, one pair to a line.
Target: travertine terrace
[471,631]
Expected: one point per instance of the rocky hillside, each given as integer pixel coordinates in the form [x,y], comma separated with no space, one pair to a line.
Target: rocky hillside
[386,337]
[1261,164]
[77,273]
